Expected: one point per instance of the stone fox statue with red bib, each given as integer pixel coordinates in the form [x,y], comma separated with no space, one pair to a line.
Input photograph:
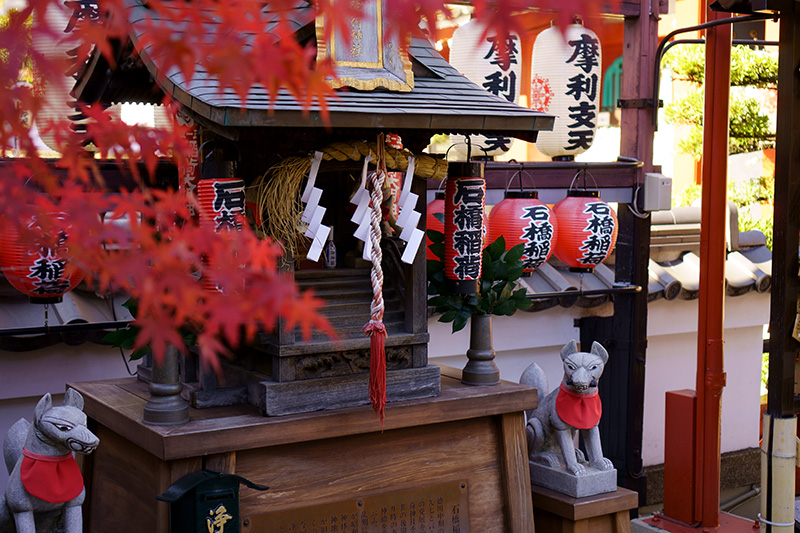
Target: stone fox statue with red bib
[574,405]
[45,483]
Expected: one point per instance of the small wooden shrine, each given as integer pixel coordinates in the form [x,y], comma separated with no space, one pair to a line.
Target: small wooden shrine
[271,147]
[322,452]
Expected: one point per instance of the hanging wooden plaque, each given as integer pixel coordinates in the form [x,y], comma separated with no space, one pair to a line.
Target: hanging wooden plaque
[366,58]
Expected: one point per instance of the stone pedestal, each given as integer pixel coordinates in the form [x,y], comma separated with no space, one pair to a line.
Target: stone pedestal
[593,482]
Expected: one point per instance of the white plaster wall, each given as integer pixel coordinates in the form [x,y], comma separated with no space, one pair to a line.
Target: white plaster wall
[518,340]
[26,376]
[672,365]
[671,358]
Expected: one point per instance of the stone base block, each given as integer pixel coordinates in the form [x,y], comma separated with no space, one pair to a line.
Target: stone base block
[308,395]
[593,482]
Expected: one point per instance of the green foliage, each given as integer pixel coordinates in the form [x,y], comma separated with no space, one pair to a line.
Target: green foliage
[761,191]
[689,195]
[500,269]
[749,127]
[749,67]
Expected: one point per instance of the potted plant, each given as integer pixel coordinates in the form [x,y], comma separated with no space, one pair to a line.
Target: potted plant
[497,295]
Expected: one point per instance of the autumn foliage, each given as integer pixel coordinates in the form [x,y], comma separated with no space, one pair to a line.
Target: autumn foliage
[160,256]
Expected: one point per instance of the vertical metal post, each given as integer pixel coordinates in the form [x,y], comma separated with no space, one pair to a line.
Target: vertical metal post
[480,368]
[166,406]
[710,374]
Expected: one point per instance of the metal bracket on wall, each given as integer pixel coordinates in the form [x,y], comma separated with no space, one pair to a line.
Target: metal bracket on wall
[638,103]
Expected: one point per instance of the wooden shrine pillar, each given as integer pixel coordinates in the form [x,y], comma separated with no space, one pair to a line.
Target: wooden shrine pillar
[629,325]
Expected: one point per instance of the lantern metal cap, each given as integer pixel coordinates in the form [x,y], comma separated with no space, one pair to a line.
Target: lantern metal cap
[522,194]
[465,169]
[583,193]
[45,300]
[439,195]
[467,286]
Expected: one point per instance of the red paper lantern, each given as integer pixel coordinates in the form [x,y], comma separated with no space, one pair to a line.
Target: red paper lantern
[465,194]
[587,230]
[37,266]
[221,208]
[435,207]
[522,218]
[221,203]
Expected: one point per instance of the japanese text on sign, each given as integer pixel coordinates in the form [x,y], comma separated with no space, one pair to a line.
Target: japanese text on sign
[600,228]
[536,236]
[583,88]
[501,81]
[228,205]
[468,223]
[434,509]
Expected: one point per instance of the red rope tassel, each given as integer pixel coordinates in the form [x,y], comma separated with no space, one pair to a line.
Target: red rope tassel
[377,367]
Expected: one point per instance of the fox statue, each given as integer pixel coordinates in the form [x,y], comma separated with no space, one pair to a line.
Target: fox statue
[45,483]
[574,405]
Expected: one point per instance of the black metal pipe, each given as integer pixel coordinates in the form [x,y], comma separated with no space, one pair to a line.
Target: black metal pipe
[737,42]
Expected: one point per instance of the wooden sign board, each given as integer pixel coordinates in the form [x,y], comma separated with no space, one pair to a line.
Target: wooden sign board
[366,58]
[436,508]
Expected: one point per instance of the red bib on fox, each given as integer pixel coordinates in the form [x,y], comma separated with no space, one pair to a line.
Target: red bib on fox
[581,411]
[52,478]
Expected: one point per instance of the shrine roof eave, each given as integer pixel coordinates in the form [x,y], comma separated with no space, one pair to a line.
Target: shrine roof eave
[440,99]
[524,127]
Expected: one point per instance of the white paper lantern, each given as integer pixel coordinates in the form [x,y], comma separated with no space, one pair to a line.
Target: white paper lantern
[566,83]
[481,61]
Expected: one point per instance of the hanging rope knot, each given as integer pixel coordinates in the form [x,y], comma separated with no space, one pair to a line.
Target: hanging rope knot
[375,326]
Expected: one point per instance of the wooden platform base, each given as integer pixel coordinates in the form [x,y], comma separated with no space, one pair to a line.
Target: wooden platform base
[603,513]
[464,453]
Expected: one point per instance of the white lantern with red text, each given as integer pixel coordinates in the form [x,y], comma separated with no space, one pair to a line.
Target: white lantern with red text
[566,69]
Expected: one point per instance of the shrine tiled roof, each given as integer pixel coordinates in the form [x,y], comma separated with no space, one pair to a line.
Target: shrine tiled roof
[674,266]
[441,101]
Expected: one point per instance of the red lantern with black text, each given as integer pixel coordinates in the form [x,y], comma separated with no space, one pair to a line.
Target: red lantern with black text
[522,218]
[587,230]
[221,208]
[35,264]
[435,207]
[221,203]
[465,193]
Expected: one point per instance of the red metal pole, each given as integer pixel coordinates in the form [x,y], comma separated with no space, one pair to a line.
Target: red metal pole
[710,374]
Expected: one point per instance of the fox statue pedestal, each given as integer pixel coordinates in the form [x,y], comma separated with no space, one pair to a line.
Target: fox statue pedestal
[603,513]
[555,462]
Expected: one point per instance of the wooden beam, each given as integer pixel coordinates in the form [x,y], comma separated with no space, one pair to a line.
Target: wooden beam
[629,328]
[783,347]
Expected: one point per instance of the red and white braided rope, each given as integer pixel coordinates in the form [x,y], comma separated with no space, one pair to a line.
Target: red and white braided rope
[376,255]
